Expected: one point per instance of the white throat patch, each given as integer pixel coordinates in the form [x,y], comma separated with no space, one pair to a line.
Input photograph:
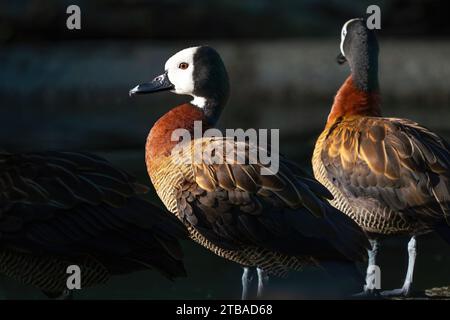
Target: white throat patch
[199,102]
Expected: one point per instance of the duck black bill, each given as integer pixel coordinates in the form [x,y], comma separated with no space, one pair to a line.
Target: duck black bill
[160,83]
[341,58]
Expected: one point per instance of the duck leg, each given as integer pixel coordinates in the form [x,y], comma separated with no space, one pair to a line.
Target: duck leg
[406,289]
[263,280]
[247,279]
[371,281]
[64,295]
[370,288]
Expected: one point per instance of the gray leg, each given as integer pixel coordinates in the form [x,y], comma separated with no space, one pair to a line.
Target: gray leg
[412,253]
[263,280]
[247,278]
[406,289]
[372,284]
[371,273]
[65,295]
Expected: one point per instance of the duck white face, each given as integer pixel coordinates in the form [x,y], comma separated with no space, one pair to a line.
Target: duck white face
[180,70]
[178,77]
[197,71]
[344,33]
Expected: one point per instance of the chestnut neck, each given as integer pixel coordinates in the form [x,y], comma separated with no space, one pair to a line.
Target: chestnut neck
[159,142]
[350,100]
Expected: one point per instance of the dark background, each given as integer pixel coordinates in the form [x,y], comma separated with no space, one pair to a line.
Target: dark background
[68,90]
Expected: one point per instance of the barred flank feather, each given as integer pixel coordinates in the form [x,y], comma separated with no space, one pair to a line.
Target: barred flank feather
[392,176]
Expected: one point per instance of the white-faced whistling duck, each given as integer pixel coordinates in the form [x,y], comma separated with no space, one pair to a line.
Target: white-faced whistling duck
[391,176]
[272,222]
[64,208]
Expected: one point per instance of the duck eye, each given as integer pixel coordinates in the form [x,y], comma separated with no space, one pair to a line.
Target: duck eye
[183,66]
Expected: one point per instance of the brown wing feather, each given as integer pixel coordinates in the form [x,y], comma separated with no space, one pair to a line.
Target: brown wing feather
[71,203]
[400,164]
[233,205]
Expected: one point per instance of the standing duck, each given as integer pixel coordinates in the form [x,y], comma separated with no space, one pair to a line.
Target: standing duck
[59,209]
[272,222]
[392,176]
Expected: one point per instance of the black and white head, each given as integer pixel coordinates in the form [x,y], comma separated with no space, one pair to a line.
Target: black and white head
[359,47]
[198,72]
